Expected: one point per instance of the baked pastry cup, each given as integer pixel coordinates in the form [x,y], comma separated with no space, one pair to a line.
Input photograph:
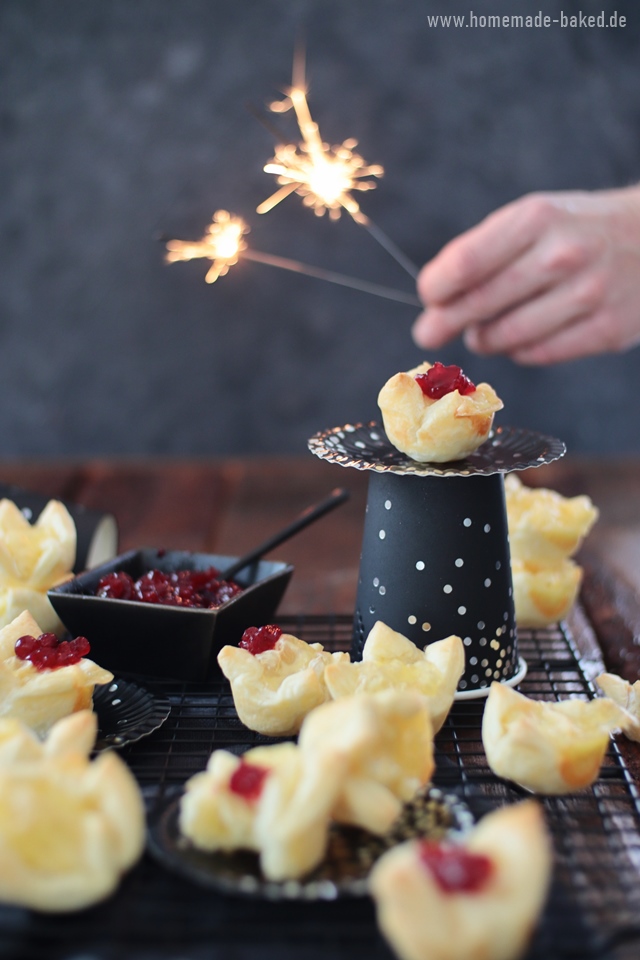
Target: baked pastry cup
[383,742]
[391,661]
[275,800]
[39,698]
[435,431]
[544,526]
[34,558]
[627,696]
[69,827]
[423,917]
[544,746]
[273,691]
[543,595]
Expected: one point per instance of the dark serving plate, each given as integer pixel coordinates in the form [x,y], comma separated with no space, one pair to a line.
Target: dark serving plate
[126,713]
[344,872]
[144,639]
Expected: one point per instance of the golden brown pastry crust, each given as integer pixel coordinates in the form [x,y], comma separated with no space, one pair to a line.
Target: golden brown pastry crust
[544,526]
[544,595]
[275,690]
[39,698]
[384,741]
[391,661]
[69,826]
[421,921]
[547,747]
[34,558]
[627,696]
[435,431]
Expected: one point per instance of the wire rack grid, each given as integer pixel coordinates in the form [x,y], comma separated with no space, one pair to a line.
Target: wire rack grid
[593,912]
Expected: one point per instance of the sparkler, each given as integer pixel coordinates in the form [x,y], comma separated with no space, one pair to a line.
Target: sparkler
[224,245]
[324,176]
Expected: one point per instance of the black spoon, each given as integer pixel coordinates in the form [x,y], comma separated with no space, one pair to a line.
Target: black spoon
[307,517]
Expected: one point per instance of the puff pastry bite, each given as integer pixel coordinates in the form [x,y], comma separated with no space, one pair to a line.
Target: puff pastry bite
[544,595]
[484,906]
[33,558]
[275,800]
[275,687]
[69,827]
[391,661]
[544,746]
[41,697]
[435,414]
[384,742]
[544,526]
[627,696]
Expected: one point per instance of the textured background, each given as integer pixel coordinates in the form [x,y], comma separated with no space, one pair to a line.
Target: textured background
[122,120]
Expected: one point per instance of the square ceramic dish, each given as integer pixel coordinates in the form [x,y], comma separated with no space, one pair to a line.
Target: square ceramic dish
[145,639]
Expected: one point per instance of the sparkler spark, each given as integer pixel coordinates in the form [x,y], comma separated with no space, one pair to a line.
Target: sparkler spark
[324,176]
[222,244]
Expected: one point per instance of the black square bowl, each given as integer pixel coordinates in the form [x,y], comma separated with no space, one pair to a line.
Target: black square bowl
[153,640]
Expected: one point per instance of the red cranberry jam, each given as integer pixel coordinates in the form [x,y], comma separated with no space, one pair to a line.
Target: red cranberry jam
[259,639]
[455,869]
[247,781]
[46,652]
[184,588]
[439,380]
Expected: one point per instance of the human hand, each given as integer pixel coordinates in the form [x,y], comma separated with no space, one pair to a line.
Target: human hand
[547,278]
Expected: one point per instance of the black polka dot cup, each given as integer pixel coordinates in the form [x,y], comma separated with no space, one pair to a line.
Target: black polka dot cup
[435,561]
[435,550]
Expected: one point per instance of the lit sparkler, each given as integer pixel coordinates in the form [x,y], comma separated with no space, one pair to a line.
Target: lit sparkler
[224,245]
[324,176]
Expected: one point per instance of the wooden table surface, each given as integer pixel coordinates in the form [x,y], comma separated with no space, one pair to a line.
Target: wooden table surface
[230,505]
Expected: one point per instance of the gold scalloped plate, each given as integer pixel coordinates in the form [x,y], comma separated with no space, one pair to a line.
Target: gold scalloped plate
[365,446]
[344,872]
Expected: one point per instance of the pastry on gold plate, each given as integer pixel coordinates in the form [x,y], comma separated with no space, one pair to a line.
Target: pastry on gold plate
[545,746]
[627,696]
[544,595]
[544,526]
[434,413]
[477,899]
[69,827]
[276,679]
[391,661]
[384,741]
[356,760]
[38,694]
[272,800]
[34,558]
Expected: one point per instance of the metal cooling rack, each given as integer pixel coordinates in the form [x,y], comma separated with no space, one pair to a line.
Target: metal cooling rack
[593,911]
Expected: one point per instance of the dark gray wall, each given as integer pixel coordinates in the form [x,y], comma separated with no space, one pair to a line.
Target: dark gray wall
[123,119]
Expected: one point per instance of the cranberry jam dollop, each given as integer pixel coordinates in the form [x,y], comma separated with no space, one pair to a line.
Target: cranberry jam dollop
[46,652]
[258,639]
[184,588]
[455,869]
[247,781]
[440,380]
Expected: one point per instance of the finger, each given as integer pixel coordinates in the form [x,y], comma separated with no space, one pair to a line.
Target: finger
[583,338]
[539,317]
[537,270]
[481,252]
